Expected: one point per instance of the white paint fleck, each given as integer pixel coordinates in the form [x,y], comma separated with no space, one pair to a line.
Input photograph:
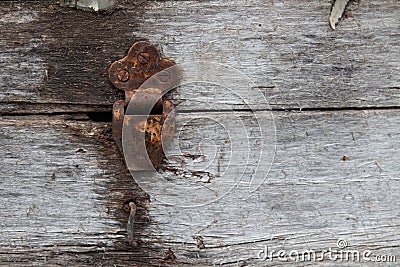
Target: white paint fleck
[89,5]
[337,12]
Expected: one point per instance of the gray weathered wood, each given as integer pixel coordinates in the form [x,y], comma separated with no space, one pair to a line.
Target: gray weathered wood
[311,197]
[65,189]
[57,56]
[60,196]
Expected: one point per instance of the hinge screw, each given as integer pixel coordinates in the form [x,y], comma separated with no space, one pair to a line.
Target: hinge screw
[123,75]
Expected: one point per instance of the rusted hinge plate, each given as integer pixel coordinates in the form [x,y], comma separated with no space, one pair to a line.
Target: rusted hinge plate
[144,122]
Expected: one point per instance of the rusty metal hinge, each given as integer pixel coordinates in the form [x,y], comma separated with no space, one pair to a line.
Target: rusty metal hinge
[143,123]
[145,119]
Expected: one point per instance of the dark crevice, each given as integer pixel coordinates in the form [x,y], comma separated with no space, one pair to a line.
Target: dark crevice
[81,116]
[106,116]
[16,114]
[320,109]
[100,116]
[343,108]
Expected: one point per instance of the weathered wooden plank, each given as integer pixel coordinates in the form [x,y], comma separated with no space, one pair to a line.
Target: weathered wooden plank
[64,186]
[58,56]
[65,189]
[63,194]
[311,197]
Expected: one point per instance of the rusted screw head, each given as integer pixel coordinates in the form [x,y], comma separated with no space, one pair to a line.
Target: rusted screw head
[123,75]
[143,58]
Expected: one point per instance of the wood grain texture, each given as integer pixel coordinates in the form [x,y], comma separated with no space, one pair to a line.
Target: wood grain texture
[310,198]
[65,192]
[58,56]
[331,143]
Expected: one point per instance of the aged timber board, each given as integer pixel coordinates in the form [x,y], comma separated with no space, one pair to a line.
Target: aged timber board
[334,174]
[56,57]
[310,198]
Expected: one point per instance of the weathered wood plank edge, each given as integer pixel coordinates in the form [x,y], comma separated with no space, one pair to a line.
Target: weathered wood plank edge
[157,242]
[114,184]
[312,68]
[22,108]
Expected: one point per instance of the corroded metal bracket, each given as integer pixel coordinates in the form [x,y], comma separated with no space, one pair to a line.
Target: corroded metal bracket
[140,124]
